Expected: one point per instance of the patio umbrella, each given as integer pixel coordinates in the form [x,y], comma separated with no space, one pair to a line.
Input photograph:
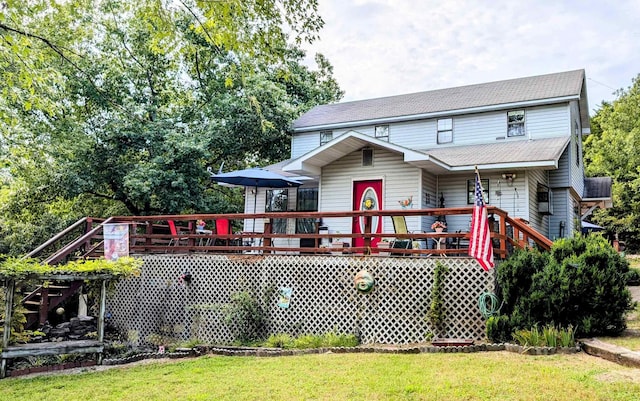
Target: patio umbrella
[590,227]
[255,177]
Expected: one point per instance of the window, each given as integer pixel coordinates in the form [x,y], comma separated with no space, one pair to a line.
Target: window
[445,130]
[367,157]
[576,131]
[515,123]
[471,191]
[307,201]
[382,132]
[277,201]
[325,136]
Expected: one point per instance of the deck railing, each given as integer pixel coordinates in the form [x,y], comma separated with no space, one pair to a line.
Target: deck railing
[151,234]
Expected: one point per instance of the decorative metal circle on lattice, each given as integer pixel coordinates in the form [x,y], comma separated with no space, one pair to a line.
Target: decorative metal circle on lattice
[323,296]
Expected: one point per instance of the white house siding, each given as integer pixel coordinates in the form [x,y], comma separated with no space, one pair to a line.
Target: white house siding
[429,199]
[538,221]
[399,181]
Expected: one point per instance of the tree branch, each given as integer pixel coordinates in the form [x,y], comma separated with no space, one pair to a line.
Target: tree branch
[63,56]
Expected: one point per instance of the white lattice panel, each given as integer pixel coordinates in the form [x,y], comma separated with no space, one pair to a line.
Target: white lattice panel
[323,299]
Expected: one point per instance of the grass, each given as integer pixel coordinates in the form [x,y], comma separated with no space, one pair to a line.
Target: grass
[475,376]
[633,319]
[632,343]
[634,261]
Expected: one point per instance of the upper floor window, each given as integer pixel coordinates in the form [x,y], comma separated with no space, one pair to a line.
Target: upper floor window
[576,130]
[382,132]
[325,136]
[515,123]
[445,130]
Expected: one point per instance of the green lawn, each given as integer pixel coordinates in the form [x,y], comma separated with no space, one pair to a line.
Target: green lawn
[444,376]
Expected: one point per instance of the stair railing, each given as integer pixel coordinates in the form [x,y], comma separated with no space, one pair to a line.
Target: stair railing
[75,245]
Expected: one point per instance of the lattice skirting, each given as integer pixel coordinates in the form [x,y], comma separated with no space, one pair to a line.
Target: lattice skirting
[323,297]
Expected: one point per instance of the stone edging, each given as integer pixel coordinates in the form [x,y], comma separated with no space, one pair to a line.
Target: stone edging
[267,352]
[146,355]
[610,352]
[275,352]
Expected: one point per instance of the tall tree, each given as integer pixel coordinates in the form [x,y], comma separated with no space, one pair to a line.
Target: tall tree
[616,132]
[130,102]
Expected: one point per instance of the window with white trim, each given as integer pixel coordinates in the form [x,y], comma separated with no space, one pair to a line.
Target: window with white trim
[382,132]
[515,123]
[325,136]
[445,130]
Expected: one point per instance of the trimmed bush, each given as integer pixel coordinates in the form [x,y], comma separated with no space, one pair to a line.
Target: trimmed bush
[581,282]
[499,329]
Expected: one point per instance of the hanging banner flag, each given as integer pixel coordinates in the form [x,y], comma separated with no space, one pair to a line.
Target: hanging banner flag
[480,246]
[116,241]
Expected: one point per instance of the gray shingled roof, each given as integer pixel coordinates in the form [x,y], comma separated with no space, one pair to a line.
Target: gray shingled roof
[529,151]
[540,87]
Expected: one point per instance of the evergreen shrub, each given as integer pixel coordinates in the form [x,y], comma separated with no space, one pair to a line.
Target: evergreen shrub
[581,282]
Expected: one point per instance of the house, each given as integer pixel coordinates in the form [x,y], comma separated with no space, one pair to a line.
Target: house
[420,150]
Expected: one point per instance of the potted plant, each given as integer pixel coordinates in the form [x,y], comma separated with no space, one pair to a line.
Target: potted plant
[439,226]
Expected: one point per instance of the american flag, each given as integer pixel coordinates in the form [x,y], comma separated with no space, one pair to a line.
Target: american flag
[480,246]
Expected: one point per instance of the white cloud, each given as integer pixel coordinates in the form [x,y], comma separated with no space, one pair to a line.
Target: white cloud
[387,47]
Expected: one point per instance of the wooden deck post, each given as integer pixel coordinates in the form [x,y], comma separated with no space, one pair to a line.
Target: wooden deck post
[8,310]
[44,305]
[367,236]
[103,305]
[267,230]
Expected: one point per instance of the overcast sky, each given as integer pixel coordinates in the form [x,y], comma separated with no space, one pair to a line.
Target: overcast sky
[388,47]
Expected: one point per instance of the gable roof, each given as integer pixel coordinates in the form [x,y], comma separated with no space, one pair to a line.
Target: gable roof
[542,89]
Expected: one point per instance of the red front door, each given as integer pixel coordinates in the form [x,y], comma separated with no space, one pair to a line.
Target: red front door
[367,195]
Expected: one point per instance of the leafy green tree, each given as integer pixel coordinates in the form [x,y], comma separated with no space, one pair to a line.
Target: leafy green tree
[613,150]
[118,107]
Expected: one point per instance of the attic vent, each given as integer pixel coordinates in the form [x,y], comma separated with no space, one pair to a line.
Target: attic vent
[367,157]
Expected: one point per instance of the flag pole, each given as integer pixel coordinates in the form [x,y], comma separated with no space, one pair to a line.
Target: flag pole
[480,244]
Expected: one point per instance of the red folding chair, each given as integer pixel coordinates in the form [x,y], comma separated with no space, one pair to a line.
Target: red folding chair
[175,235]
[223,227]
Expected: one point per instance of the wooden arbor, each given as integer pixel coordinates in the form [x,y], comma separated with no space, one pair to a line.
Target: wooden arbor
[53,348]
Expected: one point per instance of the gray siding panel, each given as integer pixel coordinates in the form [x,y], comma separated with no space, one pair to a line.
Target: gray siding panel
[538,221]
[577,168]
[560,178]
[541,122]
[561,214]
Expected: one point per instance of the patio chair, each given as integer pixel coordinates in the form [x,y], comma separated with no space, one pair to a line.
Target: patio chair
[223,227]
[400,227]
[176,239]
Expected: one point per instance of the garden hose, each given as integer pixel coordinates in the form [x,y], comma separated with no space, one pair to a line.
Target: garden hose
[488,304]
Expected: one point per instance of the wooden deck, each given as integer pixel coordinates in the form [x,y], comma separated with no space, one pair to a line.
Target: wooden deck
[151,234]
